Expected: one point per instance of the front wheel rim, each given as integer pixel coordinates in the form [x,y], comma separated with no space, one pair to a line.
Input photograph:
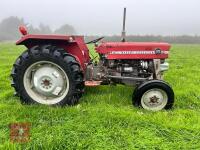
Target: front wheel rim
[46,82]
[154,99]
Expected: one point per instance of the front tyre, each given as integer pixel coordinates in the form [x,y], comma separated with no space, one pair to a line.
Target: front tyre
[47,75]
[154,95]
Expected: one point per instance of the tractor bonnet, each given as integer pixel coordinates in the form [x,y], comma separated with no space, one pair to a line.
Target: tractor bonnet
[134,50]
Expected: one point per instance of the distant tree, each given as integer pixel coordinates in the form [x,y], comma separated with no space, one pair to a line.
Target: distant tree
[65,29]
[44,29]
[9,28]
[33,30]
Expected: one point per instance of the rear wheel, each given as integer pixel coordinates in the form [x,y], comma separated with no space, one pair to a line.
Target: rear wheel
[154,95]
[47,75]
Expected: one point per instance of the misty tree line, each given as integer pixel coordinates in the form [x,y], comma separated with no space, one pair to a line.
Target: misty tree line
[9,29]
[185,39]
[9,32]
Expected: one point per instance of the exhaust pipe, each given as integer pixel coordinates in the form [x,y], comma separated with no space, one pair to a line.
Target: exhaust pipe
[124,27]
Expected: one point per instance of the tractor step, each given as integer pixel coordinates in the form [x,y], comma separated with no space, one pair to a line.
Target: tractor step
[92,83]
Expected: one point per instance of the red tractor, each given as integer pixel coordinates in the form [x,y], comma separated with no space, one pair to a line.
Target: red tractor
[55,69]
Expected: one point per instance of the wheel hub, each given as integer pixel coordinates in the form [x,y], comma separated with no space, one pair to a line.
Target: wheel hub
[154,99]
[48,81]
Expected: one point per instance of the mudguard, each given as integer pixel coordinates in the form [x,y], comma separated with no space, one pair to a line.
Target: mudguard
[74,45]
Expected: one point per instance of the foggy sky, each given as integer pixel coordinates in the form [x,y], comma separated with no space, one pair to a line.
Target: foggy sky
[90,17]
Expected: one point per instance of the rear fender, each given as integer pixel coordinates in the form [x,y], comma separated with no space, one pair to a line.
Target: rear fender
[74,45]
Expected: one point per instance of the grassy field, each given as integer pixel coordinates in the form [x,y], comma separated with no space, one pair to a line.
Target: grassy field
[105,117]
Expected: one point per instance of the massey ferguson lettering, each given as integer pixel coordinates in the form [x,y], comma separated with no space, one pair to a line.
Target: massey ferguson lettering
[136,52]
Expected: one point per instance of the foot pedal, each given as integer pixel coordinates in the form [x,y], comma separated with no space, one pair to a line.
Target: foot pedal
[92,83]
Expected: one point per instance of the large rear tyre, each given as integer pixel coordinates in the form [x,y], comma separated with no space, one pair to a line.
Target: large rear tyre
[154,95]
[47,75]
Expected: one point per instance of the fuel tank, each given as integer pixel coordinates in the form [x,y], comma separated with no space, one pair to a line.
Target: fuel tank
[134,50]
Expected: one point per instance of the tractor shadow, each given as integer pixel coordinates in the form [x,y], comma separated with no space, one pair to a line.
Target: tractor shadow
[112,95]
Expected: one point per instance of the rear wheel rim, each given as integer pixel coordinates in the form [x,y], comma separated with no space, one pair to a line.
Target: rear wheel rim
[46,82]
[154,99]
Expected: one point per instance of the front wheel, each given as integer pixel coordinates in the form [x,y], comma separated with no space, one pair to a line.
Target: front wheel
[154,95]
[47,75]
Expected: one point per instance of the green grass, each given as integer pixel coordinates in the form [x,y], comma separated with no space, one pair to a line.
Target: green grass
[105,117]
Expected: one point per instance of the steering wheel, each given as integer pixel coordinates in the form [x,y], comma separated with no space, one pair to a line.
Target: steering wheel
[95,41]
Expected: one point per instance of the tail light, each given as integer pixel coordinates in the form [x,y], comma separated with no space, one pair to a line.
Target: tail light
[23,30]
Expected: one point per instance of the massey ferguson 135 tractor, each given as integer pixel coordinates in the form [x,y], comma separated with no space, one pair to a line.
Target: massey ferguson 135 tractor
[55,69]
